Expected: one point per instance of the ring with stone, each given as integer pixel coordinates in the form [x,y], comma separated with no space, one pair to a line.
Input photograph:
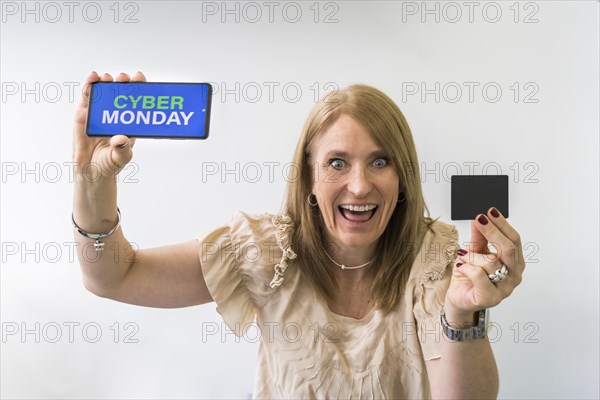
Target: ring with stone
[499,275]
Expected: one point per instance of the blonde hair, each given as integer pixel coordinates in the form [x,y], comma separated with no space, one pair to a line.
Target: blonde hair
[399,244]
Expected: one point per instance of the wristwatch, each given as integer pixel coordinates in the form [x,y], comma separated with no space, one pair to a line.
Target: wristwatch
[469,334]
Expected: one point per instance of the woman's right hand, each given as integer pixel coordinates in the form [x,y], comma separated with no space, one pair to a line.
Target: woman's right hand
[100,158]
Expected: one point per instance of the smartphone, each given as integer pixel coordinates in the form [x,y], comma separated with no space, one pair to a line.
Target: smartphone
[162,110]
[475,194]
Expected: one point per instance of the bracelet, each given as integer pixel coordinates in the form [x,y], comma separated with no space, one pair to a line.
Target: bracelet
[98,245]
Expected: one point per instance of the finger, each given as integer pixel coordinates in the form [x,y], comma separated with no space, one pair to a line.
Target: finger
[138,77]
[507,285]
[486,293]
[478,243]
[119,141]
[121,150]
[506,249]
[85,93]
[488,261]
[106,77]
[122,77]
[507,230]
[503,225]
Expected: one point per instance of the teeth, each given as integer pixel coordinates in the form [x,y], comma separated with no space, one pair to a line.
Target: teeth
[350,207]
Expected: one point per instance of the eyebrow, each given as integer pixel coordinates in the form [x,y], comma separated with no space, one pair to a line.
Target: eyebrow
[345,154]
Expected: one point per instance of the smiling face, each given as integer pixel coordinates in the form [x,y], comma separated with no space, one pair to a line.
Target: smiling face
[355,184]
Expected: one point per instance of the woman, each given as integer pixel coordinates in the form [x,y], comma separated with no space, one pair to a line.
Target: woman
[356,292]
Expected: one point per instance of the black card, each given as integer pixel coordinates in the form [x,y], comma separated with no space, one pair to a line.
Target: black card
[475,194]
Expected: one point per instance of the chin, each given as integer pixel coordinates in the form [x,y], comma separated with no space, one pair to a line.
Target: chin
[357,240]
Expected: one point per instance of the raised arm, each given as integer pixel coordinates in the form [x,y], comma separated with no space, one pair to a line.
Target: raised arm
[467,369]
[169,276]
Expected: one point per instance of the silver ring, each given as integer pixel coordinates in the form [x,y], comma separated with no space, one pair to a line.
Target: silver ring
[499,275]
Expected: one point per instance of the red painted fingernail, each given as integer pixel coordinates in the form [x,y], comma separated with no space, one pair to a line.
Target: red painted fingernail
[462,252]
[458,264]
[495,213]
[482,220]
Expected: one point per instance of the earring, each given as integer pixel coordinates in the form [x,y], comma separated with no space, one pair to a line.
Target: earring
[312,203]
[401,197]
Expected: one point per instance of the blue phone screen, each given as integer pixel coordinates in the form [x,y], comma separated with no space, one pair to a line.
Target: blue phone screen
[159,110]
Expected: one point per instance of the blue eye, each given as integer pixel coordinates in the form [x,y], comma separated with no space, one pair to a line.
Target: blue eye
[381,162]
[337,163]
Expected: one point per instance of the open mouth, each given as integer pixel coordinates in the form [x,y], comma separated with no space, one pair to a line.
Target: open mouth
[357,213]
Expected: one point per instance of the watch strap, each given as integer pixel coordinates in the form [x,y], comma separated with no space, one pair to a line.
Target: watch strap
[468,334]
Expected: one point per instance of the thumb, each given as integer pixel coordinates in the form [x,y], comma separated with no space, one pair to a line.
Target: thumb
[121,150]
[478,243]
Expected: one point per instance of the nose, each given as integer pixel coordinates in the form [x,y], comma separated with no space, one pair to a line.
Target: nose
[359,183]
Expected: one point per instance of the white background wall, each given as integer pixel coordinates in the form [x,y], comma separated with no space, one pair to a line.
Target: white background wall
[546,140]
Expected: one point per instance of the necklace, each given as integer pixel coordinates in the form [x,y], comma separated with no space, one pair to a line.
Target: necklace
[342,266]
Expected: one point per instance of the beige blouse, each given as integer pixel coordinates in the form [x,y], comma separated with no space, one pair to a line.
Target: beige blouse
[307,351]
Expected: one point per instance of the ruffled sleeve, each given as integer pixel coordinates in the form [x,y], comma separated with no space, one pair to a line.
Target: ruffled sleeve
[437,254]
[244,262]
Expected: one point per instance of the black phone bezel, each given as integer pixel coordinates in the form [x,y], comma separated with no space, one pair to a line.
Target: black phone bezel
[206,122]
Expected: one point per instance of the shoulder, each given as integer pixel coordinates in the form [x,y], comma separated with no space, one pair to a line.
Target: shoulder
[243,261]
[270,235]
[438,249]
[442,232]
[250,223]
[262,228]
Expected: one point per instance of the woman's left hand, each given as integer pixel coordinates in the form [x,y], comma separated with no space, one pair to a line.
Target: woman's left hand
[471,288]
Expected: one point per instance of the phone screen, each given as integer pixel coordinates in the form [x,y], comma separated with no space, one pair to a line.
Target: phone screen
[149,110]
[475,194]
